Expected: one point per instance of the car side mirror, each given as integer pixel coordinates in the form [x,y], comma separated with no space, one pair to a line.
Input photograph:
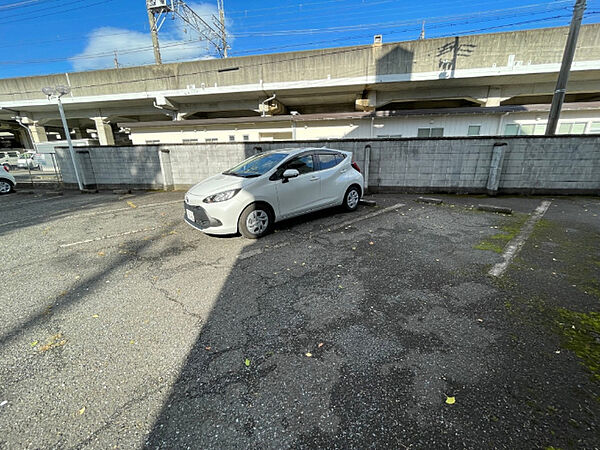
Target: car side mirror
[290,173]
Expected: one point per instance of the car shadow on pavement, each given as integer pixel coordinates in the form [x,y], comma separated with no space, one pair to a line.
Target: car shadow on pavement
[341,341]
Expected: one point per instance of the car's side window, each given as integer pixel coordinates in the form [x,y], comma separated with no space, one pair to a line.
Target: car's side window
[329,160]
[303,164]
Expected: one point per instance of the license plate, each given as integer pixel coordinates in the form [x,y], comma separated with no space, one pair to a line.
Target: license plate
[190,215]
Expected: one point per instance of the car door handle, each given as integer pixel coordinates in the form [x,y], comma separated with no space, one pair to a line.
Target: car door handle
[314,178]
[343,170]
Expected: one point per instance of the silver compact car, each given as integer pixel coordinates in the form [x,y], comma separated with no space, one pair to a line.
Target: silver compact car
[7,181]
[268,187]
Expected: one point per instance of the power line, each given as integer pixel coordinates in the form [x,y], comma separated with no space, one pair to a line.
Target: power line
[61,11]
[176,44]
[241,66]
[437,24]
[276,32]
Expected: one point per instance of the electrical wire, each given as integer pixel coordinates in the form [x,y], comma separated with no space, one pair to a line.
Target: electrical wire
[154,77]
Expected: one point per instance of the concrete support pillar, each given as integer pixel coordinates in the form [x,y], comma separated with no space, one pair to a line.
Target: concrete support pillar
[495,174]
[24,138]
[105,134]
[494,97]
[78,133]
[38,133]
[368,102]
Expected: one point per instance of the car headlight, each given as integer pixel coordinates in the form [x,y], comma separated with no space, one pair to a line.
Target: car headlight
[221,196]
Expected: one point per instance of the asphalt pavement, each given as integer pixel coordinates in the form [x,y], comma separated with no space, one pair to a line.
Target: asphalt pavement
[121,326]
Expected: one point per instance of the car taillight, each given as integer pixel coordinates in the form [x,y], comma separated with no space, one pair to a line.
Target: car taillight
[355,166]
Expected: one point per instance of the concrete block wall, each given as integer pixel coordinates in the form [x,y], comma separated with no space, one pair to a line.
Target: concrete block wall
[535,164]
[136,167]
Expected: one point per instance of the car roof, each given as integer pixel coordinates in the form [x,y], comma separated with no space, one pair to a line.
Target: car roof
[295,151]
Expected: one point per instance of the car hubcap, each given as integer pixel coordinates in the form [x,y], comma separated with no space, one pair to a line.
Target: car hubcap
[4,187]
[352,199]
[257,221]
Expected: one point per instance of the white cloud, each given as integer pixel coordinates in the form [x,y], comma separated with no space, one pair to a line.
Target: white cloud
[178,42]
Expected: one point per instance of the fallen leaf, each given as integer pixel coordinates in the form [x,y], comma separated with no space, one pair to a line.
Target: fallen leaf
[450,400]
[371,243]
[81,411]
[309,354]
[247,362]
[132,205]
[353,248]
[208,347]
[320,345]
[34,343]
[95,316]
[132,341]
[341,287]
[101,253]
[53,342]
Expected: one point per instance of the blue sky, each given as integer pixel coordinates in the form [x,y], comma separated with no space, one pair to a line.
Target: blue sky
[52,36]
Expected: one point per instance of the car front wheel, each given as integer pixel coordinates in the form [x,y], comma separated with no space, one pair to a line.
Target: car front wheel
[351,198]
[255,221]
[5,187]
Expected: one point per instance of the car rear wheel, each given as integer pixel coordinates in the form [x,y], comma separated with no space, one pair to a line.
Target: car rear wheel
[351,198]
[5,186]
[255,221]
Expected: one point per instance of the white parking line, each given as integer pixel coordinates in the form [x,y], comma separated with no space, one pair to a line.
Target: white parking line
[127,208]
[110,236]
[366,216]
[514,246]
[258,251]
[97,213]
[8,223]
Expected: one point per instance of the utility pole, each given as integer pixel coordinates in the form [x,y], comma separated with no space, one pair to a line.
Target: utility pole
[154,33]
[222,30]
[422,36]
[116,60]
[565,68]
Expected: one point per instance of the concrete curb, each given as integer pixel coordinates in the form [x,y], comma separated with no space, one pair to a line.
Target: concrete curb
[496,209]
[367,202]
[430,200]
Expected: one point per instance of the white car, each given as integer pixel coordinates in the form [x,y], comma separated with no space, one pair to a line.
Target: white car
[7,181]
[272,186]
[9,157]
[29,159]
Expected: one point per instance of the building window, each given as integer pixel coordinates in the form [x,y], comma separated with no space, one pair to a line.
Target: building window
[246,137]
[153,141]
[595,128]
[190,141]
[430,132]
[474,130]
[514,129]
[211,140]
[571,128]
[231,138]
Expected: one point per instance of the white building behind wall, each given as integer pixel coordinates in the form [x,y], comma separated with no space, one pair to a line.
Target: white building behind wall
[581,120]
[478,85]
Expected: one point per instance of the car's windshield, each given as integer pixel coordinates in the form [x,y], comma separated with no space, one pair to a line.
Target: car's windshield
[256,165]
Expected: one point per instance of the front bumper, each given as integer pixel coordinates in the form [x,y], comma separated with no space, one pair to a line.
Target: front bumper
[207,221]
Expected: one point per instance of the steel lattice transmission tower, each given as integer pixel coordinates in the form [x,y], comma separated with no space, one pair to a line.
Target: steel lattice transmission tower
[212,31]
